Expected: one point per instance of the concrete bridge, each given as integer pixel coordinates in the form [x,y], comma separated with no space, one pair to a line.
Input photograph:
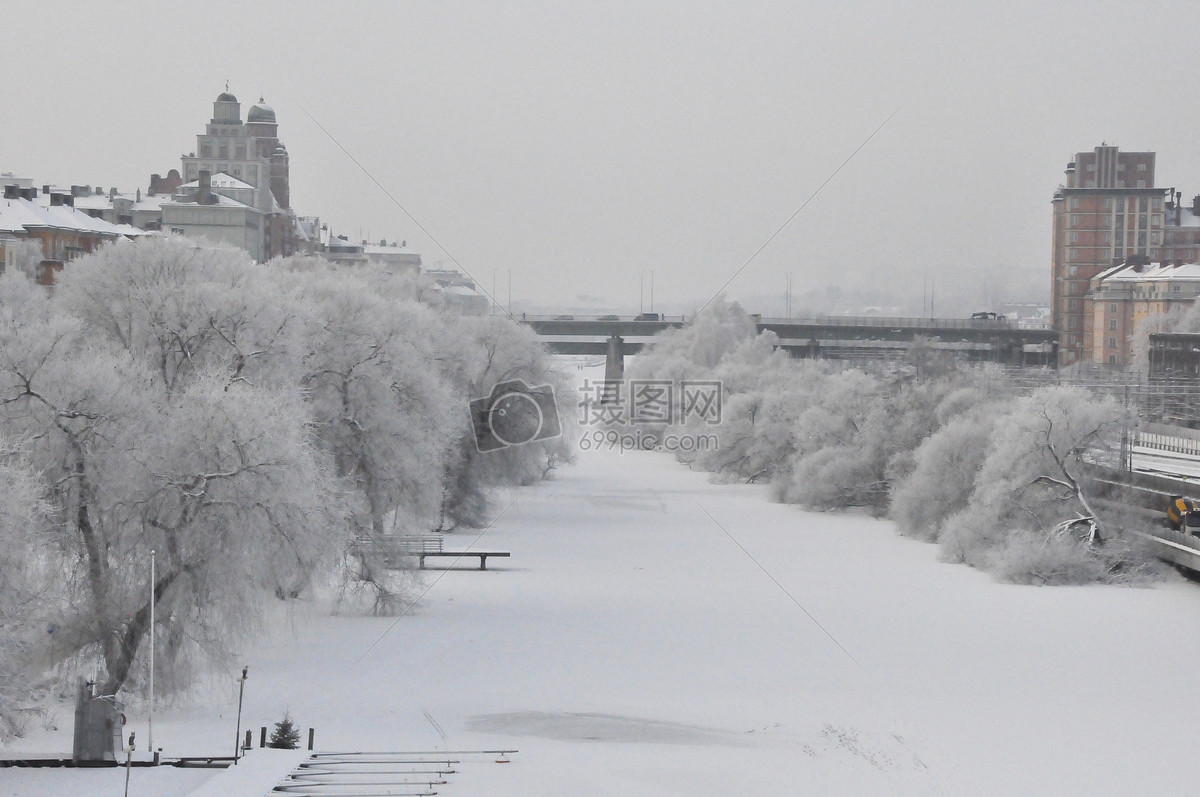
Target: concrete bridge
[835,337]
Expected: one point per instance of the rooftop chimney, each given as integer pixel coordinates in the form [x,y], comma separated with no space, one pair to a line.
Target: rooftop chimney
[205,194]
[12,192]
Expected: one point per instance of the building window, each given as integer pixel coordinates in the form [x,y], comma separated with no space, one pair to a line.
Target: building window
[1141,184]
[240,152]
[1074,237]
[1071,322]
[1120,167]
[1074,203]
[1107,203]
[1120,183]
[1091,167]
[1174,287]
[1112,324]
[1076,220]
[1112,343]
[1091,184]
[1112,359]
[1106,237]
[1072,271]
[1141,167]
[1112,308]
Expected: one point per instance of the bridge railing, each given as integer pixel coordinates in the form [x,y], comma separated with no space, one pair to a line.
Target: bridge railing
[831,321]
[908,323]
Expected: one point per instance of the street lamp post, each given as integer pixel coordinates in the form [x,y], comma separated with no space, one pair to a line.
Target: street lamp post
[642,290]
[152,601]
[237,736]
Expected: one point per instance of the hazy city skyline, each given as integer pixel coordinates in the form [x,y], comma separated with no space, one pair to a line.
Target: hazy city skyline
[579,146]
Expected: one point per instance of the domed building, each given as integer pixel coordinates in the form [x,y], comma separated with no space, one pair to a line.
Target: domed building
[252,153]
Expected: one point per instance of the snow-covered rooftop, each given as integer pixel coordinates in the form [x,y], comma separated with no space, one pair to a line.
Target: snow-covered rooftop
[1154,272]
[220,180]
[221,200]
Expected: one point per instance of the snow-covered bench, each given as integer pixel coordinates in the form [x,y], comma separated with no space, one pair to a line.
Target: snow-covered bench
[393,546]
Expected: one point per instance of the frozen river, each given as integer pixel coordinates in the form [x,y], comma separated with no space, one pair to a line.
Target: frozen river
[654,634]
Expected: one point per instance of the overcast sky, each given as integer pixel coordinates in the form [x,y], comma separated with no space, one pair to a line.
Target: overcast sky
[578,146]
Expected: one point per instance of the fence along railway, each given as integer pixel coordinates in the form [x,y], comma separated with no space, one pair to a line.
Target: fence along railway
[1163,462]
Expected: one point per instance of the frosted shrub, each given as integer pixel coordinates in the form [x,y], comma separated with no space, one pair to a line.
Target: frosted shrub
[834,478]
[946,465]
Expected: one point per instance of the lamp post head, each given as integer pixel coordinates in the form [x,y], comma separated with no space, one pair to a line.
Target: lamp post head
[245,672]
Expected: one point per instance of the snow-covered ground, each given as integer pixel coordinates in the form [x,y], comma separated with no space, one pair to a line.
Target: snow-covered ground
[654,634]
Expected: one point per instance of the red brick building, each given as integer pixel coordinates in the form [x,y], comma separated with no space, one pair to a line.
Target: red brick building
[1108,210]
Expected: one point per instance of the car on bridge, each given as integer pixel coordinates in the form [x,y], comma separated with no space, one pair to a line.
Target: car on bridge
[564,318]
[648,317]
[608,318]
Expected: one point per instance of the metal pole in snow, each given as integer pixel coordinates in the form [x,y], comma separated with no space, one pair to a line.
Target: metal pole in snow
[237,735]
[151,722]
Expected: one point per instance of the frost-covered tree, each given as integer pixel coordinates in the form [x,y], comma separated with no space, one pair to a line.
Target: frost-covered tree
[381,403]
[946,464]
[490,351]
[25,256]
[149,440]
[693,351]
[182,308]
[1032,479]
[24,567]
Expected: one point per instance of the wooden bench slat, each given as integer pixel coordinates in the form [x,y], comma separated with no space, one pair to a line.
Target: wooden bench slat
[418,545]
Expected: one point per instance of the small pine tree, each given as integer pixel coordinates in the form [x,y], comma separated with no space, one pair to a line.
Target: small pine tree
[285,735]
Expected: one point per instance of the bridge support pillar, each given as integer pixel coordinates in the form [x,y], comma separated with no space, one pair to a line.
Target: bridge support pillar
[614,370]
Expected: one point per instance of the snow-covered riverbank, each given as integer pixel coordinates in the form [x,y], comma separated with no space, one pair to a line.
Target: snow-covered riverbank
[653,634]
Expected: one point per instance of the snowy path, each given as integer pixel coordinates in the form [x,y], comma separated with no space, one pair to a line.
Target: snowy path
[631,646]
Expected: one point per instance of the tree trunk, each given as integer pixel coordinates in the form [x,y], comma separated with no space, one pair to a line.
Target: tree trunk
[119,658]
